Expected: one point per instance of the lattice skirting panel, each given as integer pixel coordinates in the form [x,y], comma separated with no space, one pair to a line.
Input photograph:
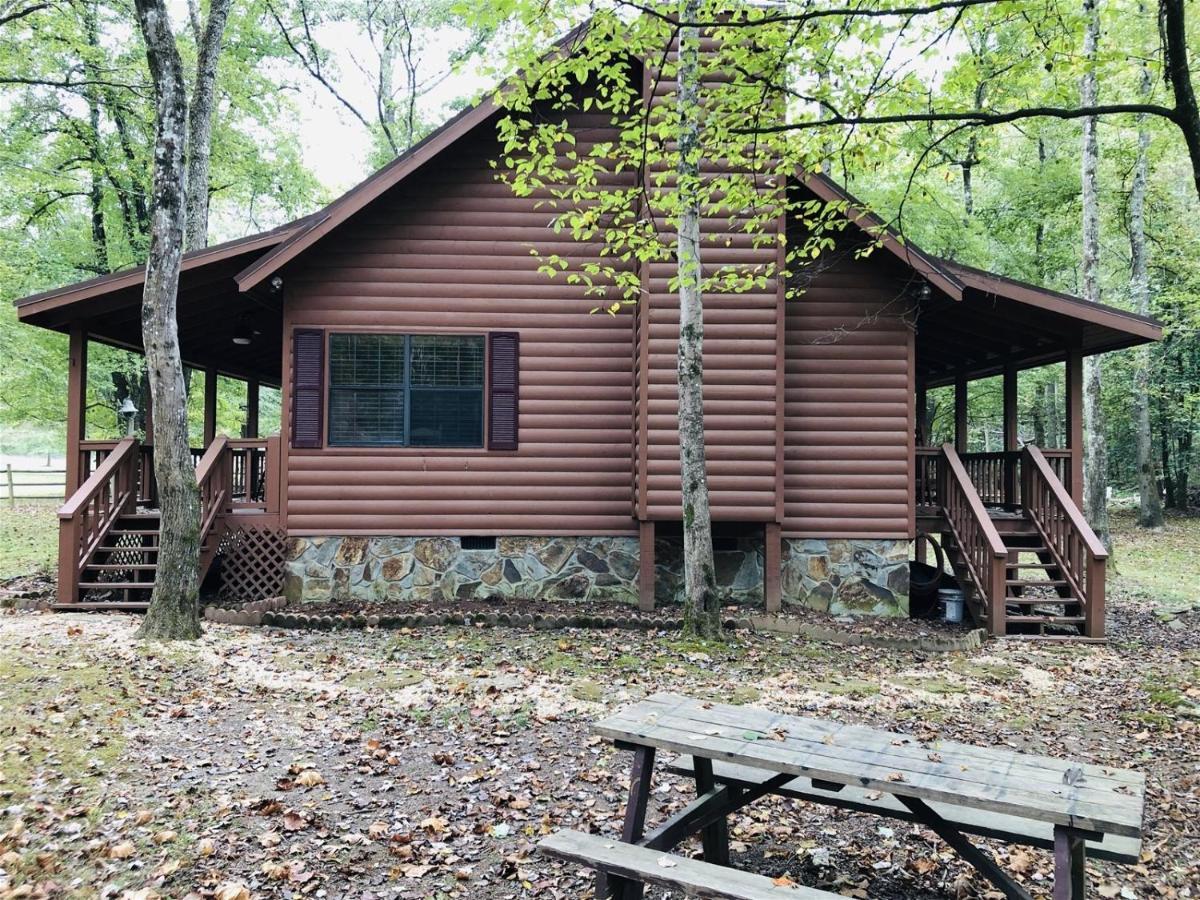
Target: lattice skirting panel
[252,558]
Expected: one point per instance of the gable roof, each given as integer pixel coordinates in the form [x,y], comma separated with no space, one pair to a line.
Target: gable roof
[282,245]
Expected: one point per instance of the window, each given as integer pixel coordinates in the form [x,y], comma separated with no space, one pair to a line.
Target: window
[419,390]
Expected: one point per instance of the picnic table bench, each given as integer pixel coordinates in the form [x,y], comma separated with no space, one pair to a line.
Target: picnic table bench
[739,754]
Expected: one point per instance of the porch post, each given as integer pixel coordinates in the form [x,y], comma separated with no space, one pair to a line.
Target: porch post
[1074,423]
[772,566]
[922,415]
[645,566]
[960,412]
[251,408]
[1010,434]
[76,406]
[210,405]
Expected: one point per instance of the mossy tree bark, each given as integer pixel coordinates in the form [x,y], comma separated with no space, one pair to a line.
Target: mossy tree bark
[199,149]
[1095,445]
[702,603]
[1150,511]
[173,612]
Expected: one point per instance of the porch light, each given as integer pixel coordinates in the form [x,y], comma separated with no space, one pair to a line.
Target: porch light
[242,335]
[128,410]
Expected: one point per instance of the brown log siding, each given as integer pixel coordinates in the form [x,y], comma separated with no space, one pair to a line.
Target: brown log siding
[848,400]
[452,253]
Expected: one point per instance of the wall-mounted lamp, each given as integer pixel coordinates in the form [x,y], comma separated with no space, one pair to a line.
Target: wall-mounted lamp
[129,411]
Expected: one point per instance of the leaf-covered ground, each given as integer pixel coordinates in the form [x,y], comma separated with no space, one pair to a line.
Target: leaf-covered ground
[425,765]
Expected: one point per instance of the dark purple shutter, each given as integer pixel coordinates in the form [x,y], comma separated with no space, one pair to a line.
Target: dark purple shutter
[504,353]
[308,386]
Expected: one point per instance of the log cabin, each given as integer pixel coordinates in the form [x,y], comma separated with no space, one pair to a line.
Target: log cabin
[456,425]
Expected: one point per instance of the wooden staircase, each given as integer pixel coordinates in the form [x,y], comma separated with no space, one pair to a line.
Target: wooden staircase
[1030,564]
[109,537]
[1038,600]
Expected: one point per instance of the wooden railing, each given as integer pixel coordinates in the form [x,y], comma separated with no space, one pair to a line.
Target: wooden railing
[93,453]
[214,478]
[977,538]
[996,475]
[85,519]
[250,471]
[1080,555]
[927,465]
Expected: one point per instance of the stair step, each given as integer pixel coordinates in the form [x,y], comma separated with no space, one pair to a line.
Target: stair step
[1036,565]
[135,531]
[1045,620]
[116,585]
[86,606]
[1048,582]
[133,549]
[120,567]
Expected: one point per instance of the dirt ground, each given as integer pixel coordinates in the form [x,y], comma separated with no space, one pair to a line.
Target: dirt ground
[260,763]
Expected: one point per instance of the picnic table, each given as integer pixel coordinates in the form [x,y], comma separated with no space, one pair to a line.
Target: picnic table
[739,754]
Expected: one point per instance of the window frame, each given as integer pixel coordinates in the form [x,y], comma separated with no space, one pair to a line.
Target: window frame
[407,391]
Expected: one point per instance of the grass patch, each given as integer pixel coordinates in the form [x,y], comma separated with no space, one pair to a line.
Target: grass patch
[932,685]
[854,688]
[68,720]
[386,680]
[1163,565]
[28,538]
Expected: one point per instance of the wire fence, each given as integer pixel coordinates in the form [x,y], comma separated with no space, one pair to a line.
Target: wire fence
[40,483]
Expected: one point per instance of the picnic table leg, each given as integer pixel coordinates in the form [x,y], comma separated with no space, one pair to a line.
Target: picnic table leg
[1070,861]
[714,837]
[640,779]
[981,861]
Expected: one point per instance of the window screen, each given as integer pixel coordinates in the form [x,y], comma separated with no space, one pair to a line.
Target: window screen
[446,392]
[406,390]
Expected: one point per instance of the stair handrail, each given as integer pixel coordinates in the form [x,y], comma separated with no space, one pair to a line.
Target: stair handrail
[982,547]
[88,515]
[1081,555]
[212,478]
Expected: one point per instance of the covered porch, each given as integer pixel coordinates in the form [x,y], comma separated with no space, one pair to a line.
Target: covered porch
[1008,520]
[109,522]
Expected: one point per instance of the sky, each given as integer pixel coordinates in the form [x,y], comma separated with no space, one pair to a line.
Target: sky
[343,162]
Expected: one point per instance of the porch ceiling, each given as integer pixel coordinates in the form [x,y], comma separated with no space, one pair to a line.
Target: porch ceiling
[210,311]
[1001,322]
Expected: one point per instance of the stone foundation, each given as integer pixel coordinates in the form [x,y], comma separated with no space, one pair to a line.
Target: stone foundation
[438,568]
[839,576]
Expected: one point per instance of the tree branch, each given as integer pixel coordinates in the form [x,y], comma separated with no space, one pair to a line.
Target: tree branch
[975,117]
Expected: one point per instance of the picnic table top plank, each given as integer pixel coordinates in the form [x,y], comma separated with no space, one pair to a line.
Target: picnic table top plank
[901,751]
[865,736]
[684,725]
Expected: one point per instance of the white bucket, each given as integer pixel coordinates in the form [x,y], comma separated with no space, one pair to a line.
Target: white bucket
[952,601]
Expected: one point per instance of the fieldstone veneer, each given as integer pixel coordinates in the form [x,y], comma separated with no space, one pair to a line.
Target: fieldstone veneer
[438,568]
[847,576]
[841,576]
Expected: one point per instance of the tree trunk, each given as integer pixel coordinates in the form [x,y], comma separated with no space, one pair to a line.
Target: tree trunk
[199,151]
[1039,234]
[702,604]
[1150,513]
[1173,29]
[1095,450]
[173,611]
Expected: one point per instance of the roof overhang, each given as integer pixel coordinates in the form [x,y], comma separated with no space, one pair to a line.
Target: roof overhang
[1003,323]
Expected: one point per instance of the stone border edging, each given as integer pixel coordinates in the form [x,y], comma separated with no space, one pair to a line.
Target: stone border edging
[273,613]
[972,640]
